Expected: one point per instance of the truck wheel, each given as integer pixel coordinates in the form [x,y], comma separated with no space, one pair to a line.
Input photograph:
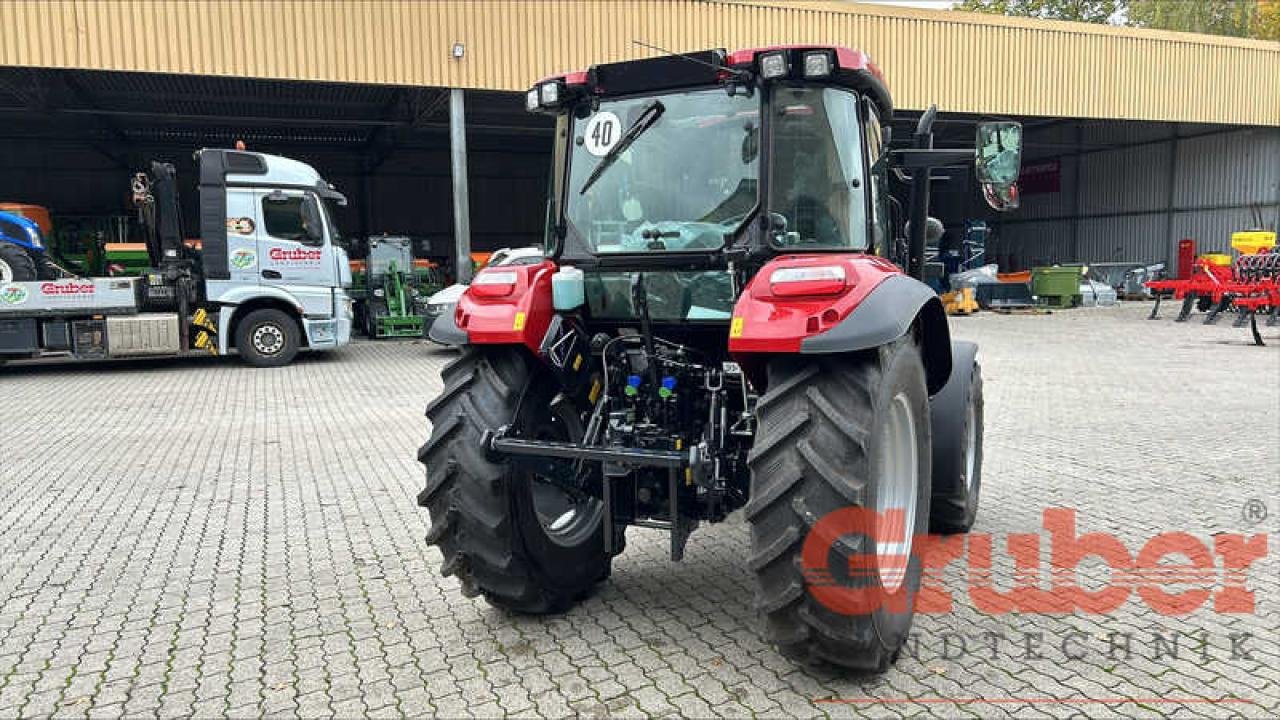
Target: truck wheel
[956,414]
[523,543]
[838,436]
[267,338]
[16,264]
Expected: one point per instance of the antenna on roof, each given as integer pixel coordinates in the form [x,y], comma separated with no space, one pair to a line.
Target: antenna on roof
[741,74]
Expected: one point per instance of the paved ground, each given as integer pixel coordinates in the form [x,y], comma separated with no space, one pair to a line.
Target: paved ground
[203,538]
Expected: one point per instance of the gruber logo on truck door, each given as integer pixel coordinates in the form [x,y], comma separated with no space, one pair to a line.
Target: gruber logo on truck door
[13,294]
[293,256]
[61,289]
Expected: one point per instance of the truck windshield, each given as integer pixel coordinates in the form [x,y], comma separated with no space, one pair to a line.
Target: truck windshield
[686,181]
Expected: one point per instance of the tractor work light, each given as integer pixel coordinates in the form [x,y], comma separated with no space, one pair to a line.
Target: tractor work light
[808,281]
[549,93]
[531,100]
[494,283]
[817,64]
[773,65]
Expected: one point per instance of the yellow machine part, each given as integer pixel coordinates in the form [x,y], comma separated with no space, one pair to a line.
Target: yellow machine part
[1251,242]
[960,302]
[1216,258]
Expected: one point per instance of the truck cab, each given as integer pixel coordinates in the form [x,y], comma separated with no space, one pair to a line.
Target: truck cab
[265,276]
[279,246]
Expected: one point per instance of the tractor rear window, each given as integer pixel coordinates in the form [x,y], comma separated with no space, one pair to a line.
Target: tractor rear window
[817,181]
[687,181]
[672,295]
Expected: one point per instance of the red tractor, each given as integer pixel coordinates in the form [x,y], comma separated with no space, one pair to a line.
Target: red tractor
[719,325]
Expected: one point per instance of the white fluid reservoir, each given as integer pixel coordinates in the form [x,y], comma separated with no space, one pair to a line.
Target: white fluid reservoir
[568,288]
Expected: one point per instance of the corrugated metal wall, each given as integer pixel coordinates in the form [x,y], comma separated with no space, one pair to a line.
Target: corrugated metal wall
[1135,203]
[963,62]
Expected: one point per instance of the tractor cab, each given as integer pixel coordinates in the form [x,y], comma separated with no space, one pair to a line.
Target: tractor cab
[715,162]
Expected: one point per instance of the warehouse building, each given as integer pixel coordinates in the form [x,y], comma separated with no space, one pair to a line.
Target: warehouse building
[1134,139]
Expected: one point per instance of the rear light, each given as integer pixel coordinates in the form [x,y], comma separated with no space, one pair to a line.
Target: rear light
[494,283]
[808,281]
[773,65]
[817,64]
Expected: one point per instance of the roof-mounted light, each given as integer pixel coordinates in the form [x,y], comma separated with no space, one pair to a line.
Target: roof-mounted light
[817,64]
[773,65]
[549,93]
[531,99]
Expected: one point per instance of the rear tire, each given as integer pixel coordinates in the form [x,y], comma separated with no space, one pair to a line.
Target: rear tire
[268,338]
[825,443]
[485,517]
[16,264]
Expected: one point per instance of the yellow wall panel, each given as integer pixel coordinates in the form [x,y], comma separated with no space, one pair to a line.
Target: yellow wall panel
[962,61]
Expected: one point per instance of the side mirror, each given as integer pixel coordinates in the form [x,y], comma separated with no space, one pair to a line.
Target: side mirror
[998,161]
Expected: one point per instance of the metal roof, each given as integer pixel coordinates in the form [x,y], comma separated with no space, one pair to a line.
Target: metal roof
[964,62]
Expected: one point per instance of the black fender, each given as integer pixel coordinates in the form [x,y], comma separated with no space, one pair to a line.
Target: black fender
[886,314]
[445,331]
[952,507]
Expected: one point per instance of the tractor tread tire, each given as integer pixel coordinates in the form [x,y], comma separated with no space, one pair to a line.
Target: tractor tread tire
[954,509]
[812,455]
[21,264]
[473,521]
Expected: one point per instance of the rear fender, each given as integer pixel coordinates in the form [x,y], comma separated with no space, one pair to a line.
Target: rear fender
[879,305]
[520,316]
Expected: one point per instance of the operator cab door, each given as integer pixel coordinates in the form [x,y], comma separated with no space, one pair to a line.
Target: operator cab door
[294,249]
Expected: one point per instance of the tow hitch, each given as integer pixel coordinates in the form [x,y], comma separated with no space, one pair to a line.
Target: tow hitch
[539,456]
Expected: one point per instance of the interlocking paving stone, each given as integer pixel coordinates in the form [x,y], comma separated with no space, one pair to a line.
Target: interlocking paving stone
[198,537]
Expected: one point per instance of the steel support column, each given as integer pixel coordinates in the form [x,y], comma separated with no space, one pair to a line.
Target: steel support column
[1171,198]
[461,203]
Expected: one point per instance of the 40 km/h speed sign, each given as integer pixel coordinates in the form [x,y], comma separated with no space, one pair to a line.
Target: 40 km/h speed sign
[602,133]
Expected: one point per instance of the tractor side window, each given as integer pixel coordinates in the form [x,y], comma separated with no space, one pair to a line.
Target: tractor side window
[879,185]
[555,186]
[817,170]
[293,217]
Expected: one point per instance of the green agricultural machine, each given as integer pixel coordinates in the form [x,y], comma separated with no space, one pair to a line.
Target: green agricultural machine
[392,291]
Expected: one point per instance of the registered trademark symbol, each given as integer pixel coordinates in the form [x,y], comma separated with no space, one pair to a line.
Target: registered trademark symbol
[1254,511]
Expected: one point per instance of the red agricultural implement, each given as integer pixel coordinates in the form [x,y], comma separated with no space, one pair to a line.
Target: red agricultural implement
[1250,285]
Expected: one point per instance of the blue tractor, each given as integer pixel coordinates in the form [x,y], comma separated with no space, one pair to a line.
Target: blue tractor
[22,250]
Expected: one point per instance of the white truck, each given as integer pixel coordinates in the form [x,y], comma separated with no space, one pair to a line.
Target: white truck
[265,277]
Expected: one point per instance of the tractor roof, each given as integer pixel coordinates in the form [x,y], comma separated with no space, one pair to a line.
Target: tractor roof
[852,68]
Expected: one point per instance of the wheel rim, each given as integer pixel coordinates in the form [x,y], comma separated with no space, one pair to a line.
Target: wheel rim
[6,272]
[268,339]
[970,445]
[897,492]
[566,520]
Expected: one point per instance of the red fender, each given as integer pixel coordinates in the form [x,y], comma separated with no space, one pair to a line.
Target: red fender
[494,311]
[766,321]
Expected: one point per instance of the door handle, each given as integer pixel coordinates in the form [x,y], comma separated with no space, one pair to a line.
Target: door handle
[271,274]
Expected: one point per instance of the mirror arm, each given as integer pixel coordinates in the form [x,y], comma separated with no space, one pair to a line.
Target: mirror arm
[912,158]
[918,208]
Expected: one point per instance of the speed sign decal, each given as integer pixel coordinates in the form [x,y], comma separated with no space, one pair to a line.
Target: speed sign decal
[602,133]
